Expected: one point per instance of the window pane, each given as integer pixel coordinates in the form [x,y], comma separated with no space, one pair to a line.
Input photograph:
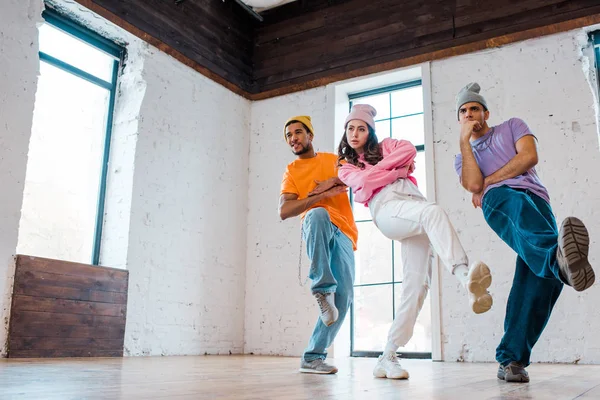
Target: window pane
[380,102]
[361,212]
[374,255]
[409,128]
[66,48]
[420,172]
[407,101]
[64,167]
[372,317]
[382,129]
[421,340]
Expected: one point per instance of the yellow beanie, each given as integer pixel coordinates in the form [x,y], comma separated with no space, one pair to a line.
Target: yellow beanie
[305,119]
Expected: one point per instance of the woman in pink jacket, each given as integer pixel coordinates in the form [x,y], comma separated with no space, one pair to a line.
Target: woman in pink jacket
[380,175]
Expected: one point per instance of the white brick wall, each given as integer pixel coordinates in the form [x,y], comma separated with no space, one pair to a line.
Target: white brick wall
[18,80]
[187,235]
[280,314]
[119,185]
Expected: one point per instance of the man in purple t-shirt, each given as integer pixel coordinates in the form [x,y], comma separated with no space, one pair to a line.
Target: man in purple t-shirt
[496,164]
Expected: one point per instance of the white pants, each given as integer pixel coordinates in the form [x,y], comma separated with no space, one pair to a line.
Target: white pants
[402,213]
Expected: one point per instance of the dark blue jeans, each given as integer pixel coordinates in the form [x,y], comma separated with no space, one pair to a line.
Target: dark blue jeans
[525,222]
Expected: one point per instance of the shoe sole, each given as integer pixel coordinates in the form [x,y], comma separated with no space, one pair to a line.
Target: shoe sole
[517,378]
[312,371]
[383,374]
[480,281]
[514,378]
[574,243]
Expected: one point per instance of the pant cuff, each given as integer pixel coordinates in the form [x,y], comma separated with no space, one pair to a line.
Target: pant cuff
[324,291]
[312,357]
[391,348]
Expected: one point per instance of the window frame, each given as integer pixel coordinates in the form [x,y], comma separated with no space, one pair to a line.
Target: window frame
[420,148]
[110,48]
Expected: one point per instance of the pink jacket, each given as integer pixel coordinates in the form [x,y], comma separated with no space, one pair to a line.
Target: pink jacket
[398,156]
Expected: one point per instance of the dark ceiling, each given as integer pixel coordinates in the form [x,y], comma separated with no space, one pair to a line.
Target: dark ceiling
[309,43]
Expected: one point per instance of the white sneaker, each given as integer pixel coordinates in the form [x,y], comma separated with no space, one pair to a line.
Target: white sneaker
[388,366]
[329,312]
[478,280]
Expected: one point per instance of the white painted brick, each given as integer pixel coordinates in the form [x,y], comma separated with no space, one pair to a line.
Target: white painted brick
[280,314]
[187,235]
[18,81]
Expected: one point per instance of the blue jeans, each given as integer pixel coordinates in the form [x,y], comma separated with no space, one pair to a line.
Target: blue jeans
[331,270]
[525,222]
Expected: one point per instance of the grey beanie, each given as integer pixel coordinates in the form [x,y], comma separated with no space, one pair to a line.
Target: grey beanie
[469,93]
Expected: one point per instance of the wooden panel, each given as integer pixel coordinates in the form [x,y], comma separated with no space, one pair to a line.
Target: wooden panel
[42,330]
[41,289]
[41,304]
[213,37]
[107,283]
[32,343]
[43,319]
[310,43]
[64,309]
[303,84]
[345,40]
[65,353]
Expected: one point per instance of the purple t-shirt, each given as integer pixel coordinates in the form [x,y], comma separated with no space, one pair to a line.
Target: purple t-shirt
[496,148]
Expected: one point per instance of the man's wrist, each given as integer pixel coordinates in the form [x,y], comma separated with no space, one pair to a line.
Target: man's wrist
[336,181]
[317,197]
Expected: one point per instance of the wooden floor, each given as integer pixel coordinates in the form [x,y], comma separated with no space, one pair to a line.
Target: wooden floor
[254,377]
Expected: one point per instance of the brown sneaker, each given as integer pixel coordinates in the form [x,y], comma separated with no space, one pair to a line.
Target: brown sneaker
[572,254]
[513,372]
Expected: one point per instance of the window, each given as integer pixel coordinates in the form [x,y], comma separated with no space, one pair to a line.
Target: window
[63,204]
[378,283]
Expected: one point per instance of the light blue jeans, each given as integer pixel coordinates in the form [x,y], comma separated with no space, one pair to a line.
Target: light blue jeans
[331,271]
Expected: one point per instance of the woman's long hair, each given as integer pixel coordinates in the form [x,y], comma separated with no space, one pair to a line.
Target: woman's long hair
[372,151]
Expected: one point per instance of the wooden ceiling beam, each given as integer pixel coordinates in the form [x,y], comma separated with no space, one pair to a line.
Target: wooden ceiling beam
[560,16]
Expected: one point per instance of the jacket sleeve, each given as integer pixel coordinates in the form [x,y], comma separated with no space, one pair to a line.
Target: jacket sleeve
[397,154]
[364,182]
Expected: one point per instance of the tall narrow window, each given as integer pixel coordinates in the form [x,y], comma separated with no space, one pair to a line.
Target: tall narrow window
[595,38]
[378,285]
[63,204]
